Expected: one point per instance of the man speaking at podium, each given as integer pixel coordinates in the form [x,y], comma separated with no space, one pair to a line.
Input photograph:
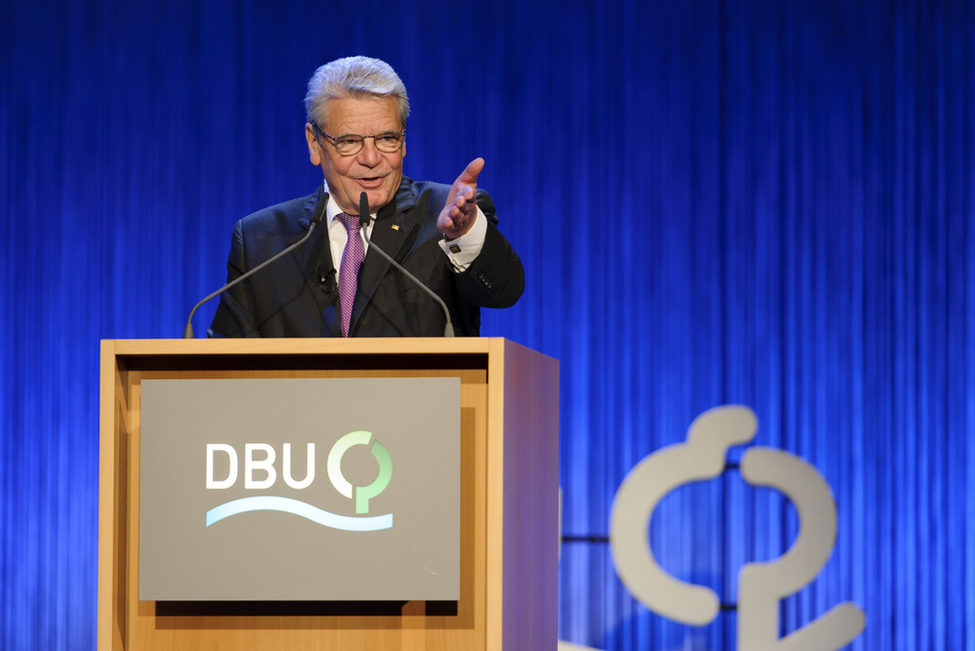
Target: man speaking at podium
[335,284]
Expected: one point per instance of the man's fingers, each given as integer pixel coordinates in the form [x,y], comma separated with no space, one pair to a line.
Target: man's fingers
[471,172]
[461,207]
[464,196]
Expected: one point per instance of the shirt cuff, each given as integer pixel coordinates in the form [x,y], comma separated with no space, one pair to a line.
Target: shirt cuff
[465,249]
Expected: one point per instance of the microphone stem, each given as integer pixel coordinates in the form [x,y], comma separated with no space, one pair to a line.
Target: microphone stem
[364,218]
[188,331]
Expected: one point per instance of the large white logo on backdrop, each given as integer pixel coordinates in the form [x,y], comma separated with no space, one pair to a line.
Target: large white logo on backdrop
[760,585]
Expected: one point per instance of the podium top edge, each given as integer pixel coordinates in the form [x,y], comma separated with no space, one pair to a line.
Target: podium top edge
[306,346]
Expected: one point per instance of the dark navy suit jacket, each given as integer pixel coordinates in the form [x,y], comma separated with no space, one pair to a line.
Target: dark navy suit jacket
[297,296]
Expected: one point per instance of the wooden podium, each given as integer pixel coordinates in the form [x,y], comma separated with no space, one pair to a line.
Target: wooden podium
[509,499]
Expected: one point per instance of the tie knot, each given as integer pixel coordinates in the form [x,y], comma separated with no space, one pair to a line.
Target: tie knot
[351,222]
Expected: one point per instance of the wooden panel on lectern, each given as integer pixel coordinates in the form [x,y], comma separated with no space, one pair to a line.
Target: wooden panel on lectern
[507,589]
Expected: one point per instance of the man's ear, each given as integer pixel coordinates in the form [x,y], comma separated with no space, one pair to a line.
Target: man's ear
[314,153]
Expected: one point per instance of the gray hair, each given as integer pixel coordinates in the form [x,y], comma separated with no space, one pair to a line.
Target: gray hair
[359,77]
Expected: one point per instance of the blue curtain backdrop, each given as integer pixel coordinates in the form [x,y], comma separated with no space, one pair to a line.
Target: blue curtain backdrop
[717,201]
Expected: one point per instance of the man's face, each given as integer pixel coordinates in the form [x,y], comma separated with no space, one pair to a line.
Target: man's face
[371,171]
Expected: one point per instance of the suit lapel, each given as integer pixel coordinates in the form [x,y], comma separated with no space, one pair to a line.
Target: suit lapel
[393,230]
[321,277]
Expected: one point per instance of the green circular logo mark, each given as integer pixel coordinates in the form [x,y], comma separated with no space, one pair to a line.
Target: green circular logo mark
[362,493]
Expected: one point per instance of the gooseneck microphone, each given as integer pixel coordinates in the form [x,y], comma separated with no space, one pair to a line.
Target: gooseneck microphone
[315,221]
[364,218]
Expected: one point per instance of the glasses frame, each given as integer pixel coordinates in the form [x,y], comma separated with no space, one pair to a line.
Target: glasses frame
[362,143]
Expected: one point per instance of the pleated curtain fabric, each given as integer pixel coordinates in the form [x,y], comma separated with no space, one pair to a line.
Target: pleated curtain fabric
[761,202]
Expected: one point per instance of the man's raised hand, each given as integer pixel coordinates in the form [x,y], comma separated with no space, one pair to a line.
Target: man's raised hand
[460,210]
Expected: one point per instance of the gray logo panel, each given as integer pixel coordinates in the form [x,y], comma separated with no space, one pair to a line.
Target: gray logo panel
[300,489]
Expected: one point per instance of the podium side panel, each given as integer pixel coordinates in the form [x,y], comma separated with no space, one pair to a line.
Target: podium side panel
[531,463]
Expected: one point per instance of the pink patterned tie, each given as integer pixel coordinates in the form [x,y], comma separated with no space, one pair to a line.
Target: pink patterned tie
[352,259]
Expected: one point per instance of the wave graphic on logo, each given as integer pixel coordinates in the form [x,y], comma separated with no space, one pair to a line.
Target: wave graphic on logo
[303,509]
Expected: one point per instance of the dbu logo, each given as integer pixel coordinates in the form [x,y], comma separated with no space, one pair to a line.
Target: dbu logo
[760,585]
[260,473]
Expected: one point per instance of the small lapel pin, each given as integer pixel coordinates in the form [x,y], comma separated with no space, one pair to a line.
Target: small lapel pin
[395,227]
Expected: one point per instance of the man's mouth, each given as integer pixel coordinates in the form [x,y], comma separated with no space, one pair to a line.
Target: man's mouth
[370,182]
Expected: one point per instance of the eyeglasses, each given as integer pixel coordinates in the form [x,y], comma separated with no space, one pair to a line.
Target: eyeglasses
[350,144]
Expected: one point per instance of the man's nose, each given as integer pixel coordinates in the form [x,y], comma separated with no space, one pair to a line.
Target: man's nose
[369,155]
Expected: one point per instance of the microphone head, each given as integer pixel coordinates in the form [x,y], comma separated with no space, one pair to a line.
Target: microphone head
[363,209]
[318,217]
